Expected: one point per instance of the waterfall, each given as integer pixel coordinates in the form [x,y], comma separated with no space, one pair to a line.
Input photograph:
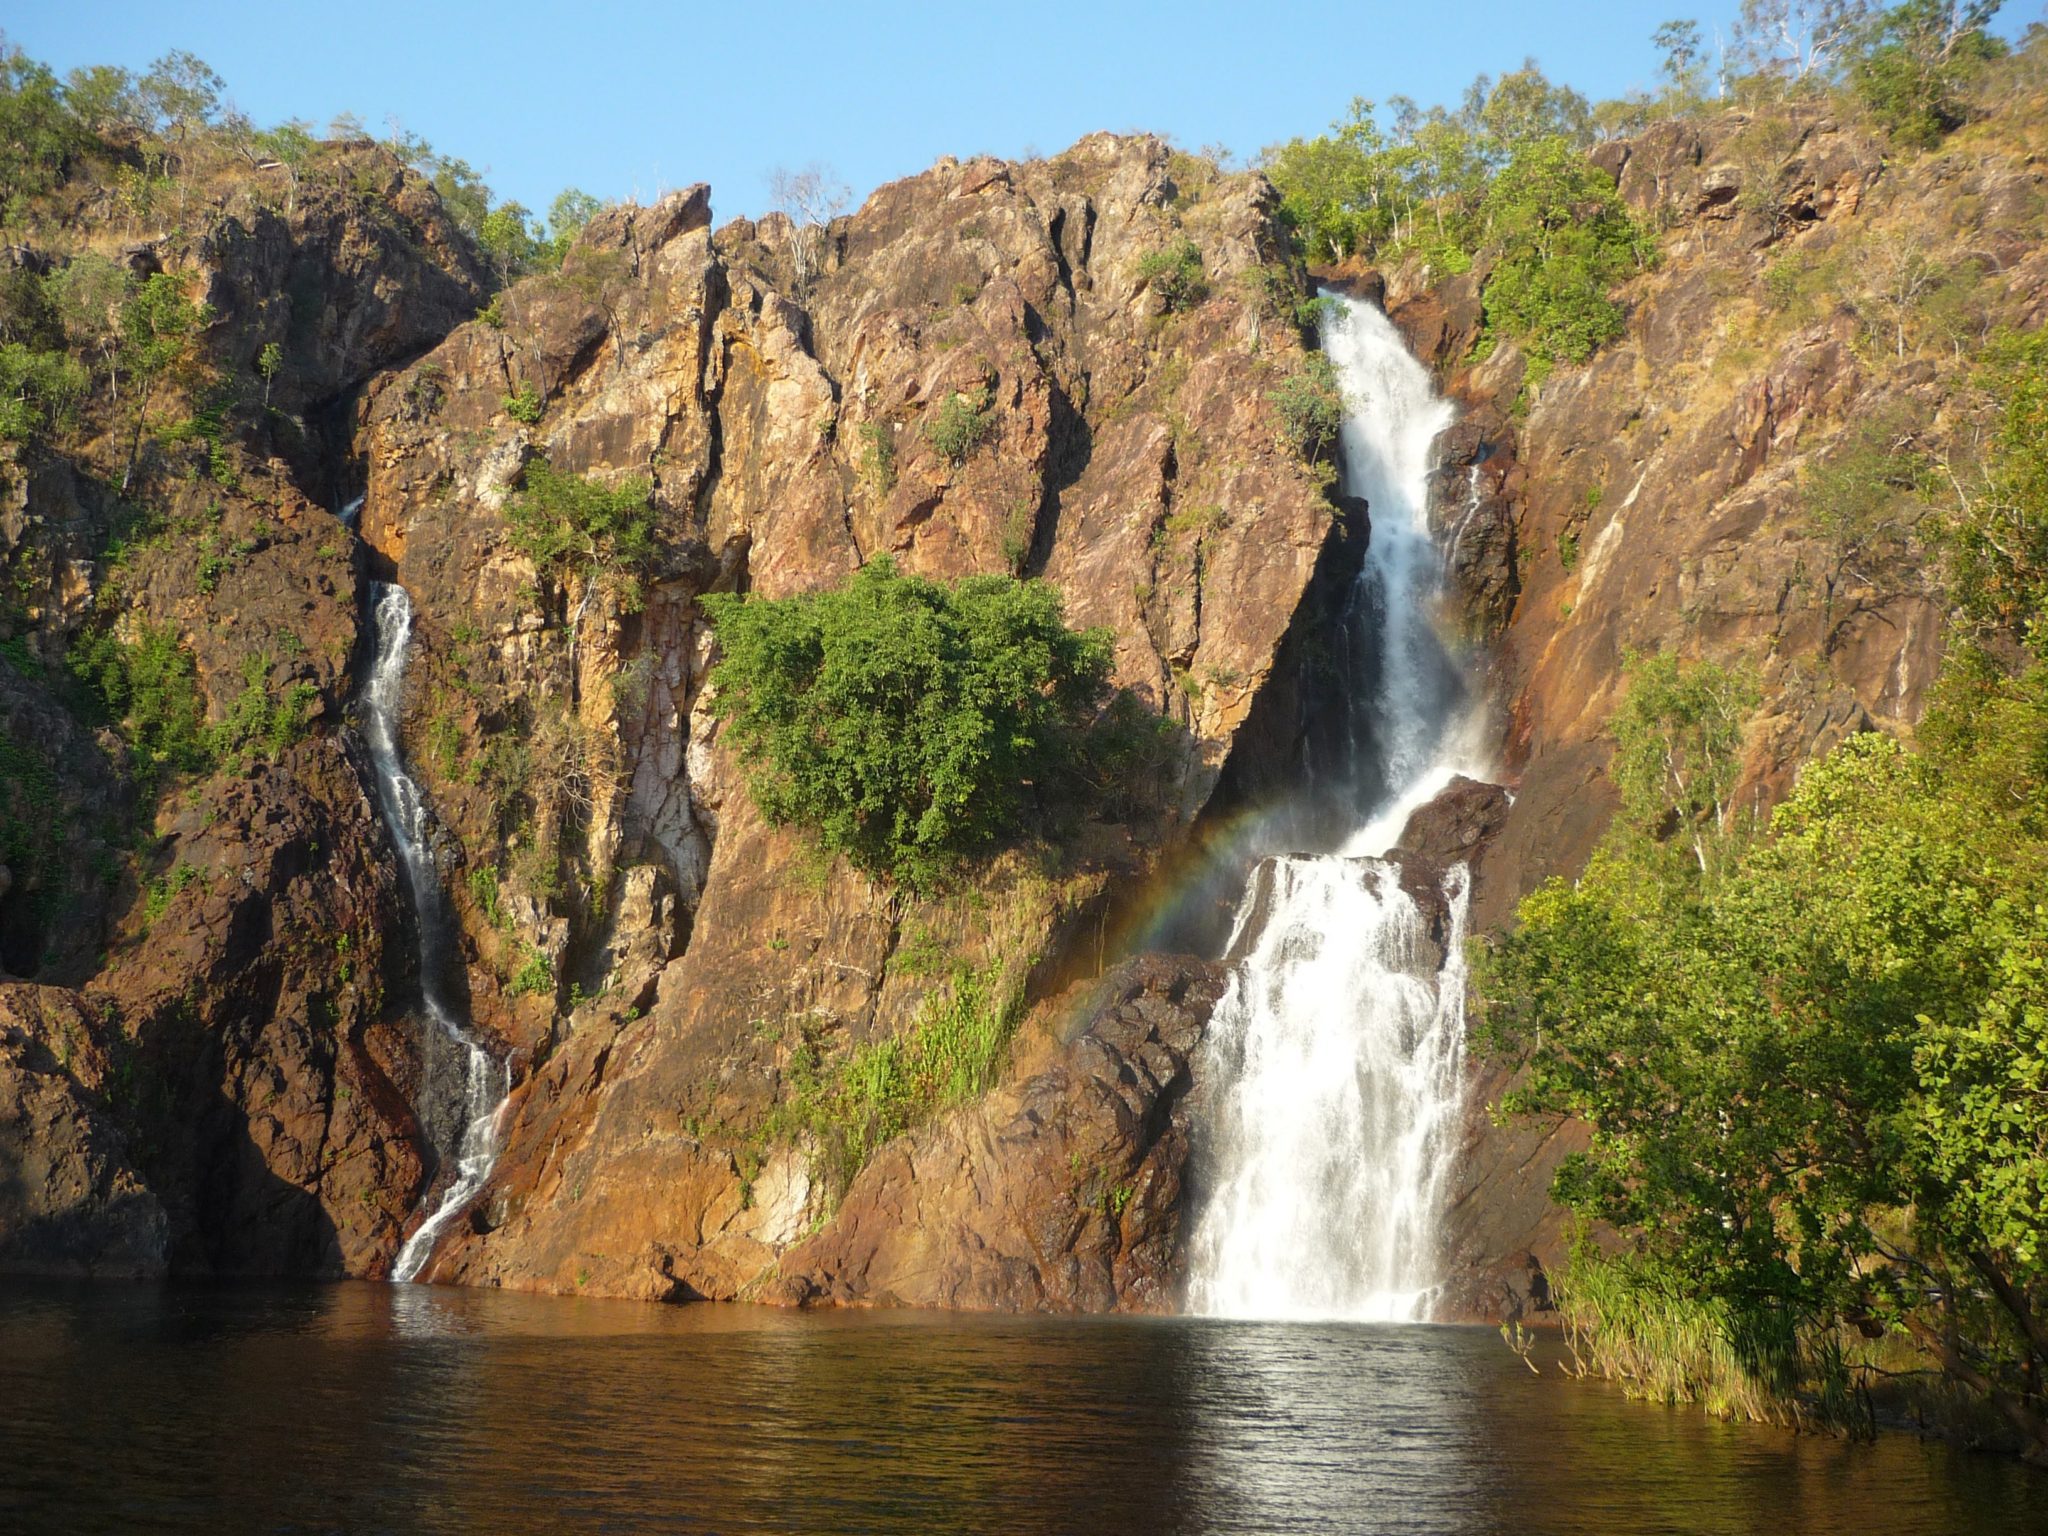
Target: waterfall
[464,1089]
[1337,1048]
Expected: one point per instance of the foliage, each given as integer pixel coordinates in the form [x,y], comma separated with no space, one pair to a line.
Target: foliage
[572,527]
[904,722]
[1175,274]
[1678,740]
[525,405]
[1311,407]
[1997,539]
[1564,239]
[39,391]
[962,424]
[952,1054]
[1921,58]
[260,723]
[1815,1066]
[148,685]
[1814,1078]
[39,137]
[878,456]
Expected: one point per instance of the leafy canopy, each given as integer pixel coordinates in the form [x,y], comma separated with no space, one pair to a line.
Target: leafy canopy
[1815,1066]
[901,721]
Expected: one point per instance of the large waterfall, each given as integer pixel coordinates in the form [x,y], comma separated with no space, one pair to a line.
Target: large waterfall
[463,1088]
[1336,1051]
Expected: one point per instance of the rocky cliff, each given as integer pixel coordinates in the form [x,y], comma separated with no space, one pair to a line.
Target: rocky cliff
[209,1055]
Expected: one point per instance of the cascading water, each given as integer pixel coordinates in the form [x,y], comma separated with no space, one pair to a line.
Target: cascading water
[464,1088]
[1337,1048]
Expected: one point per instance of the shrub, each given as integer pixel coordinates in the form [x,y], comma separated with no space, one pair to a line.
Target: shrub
[526,405]
[878,456]
[38,391]
[1175,274]
[570,526]
[1311,407]
[1565,238]
[1922,57]
[903,722]
[151,688]
[961,425]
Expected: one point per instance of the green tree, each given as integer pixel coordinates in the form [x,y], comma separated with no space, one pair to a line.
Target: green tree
[289,147]
[104,98]
[567,214]
[1921,58]
[38,391]
[1678,747]
[1814,1066]
[507,237]
[1564,239]
[1817,1083]
[571,527]
[904,723]
[38,136]
[160,331]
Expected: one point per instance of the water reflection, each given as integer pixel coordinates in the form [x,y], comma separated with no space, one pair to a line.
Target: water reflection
[409,1408]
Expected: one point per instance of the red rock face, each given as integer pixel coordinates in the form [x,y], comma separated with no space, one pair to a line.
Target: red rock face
[252,1110]
[1130,456]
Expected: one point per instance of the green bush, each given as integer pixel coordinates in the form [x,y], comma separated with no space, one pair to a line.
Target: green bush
[1922,58]
[151,688]
[524,405]
[905,722]
[1175,274]
[1564,239]
[38,391]
[961,425]
[1311,407]
[569,526]
[878,456]
[953,1053]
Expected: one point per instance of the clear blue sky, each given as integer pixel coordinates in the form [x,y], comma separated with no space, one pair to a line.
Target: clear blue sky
[627,99]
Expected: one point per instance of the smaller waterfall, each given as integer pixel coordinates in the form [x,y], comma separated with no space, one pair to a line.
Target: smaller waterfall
[464,1088]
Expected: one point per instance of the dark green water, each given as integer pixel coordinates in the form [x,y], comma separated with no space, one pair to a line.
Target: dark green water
[372,1408]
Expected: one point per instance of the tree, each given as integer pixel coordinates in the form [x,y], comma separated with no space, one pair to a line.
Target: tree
[289,148]
[1524,106]
[567,214]
[1814,1067]
[810,200]
[1565,239]
[1814,1082]
[38,136]
[87,293]
[1921,56]
[105,99]
[160,329]
[507,237]
[1684,60]
[1678,744]
[576,531]
[180,93]
[903,722]
[1799,39]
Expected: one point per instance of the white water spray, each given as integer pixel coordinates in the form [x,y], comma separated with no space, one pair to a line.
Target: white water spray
[1338,1046]
[453,1058]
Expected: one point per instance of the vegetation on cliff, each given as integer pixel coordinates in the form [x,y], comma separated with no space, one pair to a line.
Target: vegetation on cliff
[903,722]
[1814,1056]
[1504,184]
